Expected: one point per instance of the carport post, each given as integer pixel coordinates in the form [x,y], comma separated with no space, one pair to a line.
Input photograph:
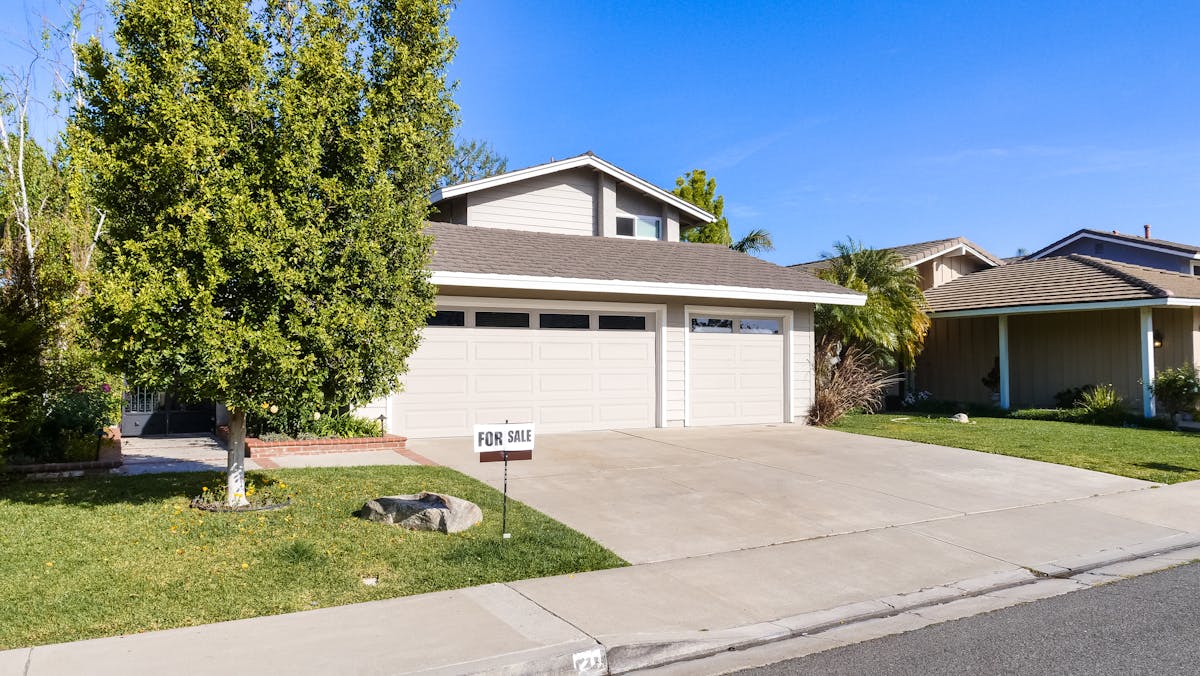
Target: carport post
[1005,385]
[1147,316]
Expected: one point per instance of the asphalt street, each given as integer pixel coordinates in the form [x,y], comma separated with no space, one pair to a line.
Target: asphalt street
[1144,625]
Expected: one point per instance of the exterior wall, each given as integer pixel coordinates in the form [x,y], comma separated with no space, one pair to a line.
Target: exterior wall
[946,269]
[562,203]
[1125,253]
[674,377]
[634,203]
[1179,331]
[1055,351]
[803,362]
[958,354]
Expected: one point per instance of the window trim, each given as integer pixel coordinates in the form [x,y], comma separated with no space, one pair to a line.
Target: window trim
[1195,269]
[635,217]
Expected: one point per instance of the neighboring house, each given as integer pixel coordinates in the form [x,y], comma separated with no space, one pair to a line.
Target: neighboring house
[938,261]
[567,299]
[1047,324]
[1115,246]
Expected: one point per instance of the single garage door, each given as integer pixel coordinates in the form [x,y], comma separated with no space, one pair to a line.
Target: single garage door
[736,370]
[563,370]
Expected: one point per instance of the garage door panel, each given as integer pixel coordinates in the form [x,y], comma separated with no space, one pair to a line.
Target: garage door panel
[736,378]
[565,382]
[624,415]
[565,351]
[450,384]
[503,349]
[581,414]
[633,383]
[562,379]
[509,383]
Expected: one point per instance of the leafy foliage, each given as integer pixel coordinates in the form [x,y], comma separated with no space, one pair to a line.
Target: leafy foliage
[1069,398]
[281,426]
[891,326]
[266,168]
[697,188]
[473,160]
[1177,389]
[1101,404]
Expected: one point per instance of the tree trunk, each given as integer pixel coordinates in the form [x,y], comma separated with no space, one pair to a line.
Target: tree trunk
[236,480]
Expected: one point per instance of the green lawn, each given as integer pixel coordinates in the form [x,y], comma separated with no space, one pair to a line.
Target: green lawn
[104,556]
[1153,455]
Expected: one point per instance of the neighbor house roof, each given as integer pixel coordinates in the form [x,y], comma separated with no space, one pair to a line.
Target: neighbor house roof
[515,259]
[1059,284]
[915,254]
[1188,250]
[587,159]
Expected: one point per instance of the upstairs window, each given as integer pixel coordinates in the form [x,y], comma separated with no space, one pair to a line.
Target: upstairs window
[641,227]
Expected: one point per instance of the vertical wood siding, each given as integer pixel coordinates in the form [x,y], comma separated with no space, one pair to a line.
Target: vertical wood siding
[563,202]
[1177,328]
[1055,351]
[958,354]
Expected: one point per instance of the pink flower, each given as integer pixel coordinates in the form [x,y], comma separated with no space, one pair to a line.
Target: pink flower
[105,388]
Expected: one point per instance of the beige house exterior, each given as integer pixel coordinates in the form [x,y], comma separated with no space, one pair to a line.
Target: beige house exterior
[1050,324]
[567,299]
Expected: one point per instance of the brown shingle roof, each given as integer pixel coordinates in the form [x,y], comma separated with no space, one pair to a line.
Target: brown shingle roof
[1188,249]
[461,248]
[911,253]
[1066,279]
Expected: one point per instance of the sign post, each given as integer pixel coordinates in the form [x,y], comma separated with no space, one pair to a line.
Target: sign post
[509,441]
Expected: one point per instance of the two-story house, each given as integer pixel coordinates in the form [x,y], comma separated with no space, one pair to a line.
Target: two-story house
[567,298]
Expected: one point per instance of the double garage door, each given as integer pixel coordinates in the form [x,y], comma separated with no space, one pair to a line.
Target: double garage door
[563,370]
[574,370]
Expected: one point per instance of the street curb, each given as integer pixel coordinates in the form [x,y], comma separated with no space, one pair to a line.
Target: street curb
[626,653]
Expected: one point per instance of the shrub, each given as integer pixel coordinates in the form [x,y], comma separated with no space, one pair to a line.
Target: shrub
[283,426]
[1102,405]
[1069,398]
[1177,389]
[853,382]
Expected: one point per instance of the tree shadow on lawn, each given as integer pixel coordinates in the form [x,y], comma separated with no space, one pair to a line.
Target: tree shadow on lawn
[1165,467]
[94,491]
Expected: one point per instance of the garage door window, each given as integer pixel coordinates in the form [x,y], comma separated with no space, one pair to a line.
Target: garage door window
[548,320]
[768,326]
[506,320]
[448,318]
[711,325]
[622,323]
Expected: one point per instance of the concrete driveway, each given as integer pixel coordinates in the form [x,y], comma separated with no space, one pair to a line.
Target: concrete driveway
[663,494]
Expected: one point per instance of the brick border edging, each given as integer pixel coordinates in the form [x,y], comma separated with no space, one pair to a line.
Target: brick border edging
[263,450]
[45,467]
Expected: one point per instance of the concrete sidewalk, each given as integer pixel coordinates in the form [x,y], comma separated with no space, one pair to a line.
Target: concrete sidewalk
[659,613]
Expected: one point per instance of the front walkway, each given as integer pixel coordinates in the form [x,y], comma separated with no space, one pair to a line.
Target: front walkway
[203,453]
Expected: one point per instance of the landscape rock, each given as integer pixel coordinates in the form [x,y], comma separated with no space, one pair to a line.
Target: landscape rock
[423,511]
[960,417]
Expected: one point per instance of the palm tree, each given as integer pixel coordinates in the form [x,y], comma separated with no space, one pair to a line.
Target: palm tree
[753,242]
[891,326]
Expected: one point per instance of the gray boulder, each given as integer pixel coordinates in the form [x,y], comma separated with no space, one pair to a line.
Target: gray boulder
[423,511]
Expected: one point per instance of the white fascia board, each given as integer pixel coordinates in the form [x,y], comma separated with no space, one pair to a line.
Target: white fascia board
[636,288]
[961,249]
[573,163]
[1068,307]
[1113,240]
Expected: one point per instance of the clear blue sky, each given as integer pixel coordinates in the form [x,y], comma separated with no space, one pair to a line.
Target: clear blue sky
[1011,124]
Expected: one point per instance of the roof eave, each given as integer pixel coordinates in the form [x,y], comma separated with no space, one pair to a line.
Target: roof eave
[573,163]
[641,288]
[1066,307]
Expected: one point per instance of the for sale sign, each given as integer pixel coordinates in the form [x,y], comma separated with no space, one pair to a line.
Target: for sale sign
[494,440]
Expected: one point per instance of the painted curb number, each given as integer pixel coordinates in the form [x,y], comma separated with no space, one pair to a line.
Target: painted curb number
[589,661]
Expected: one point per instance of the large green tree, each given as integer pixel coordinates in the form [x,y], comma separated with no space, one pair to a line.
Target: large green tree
[697,188]
[265,167]
[891,326]
[472,160]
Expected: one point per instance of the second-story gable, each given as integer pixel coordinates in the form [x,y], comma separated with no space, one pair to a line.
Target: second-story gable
[582,195]
[1136,250]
